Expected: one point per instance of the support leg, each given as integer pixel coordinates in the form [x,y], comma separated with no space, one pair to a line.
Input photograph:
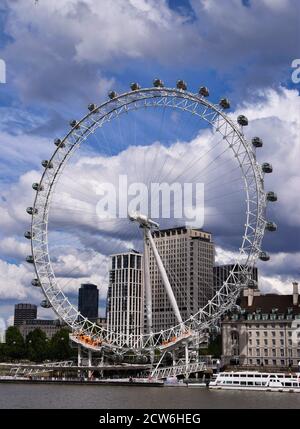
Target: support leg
[89,364]
[79,359]
[164,276]
[186,359]
[147,283]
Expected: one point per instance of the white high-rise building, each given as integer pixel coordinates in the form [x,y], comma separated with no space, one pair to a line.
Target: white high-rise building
[125,298]
[188,257]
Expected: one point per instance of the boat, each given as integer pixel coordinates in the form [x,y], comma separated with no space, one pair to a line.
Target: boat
[255,380]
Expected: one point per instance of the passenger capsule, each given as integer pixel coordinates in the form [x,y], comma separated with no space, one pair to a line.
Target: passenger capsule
[29,259]
[242,120]
[257,142]
[28,235]
[36,283]
[263,256]
[251,284]
[204,91]
[135,86]
[267,168]
[271,196]
[47,164]
[74,124]
[180,84]
[271,226]
[92,107]
[58,142]
[37,187]
[224,102]
[31,210]
[45,304]
[112,94]
[158,83]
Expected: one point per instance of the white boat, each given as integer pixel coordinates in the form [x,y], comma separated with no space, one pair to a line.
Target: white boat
[255,380]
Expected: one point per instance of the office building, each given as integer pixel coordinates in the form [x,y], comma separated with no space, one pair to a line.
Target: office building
[265,333]
[49,327]
[88,300]
[188,257]
[125,299]
[24,312]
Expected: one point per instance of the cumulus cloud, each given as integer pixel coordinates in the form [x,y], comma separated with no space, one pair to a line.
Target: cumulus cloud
[275,118]
[74,42]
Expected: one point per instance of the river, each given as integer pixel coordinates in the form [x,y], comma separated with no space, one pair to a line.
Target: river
[131,397]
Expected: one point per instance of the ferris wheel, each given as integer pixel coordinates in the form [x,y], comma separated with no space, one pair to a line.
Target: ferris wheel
[242,154]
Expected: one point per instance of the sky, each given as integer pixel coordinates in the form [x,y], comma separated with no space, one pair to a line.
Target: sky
[61,55]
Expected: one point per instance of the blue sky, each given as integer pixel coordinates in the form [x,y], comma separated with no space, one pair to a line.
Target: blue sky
[63,54]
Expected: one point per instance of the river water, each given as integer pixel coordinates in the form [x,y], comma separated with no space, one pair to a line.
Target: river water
[131,397]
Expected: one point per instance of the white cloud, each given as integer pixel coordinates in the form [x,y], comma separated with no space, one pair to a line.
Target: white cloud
[15,281]
[75,41]
[275,118]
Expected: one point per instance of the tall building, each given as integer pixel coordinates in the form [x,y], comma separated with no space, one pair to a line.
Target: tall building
[125,298]
[265,333]
[221,273]
[88,300]
[188,257]
[24,312]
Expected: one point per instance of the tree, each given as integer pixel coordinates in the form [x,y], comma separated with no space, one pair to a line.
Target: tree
[3,352]
[36,345]
[60,348]
[15,346]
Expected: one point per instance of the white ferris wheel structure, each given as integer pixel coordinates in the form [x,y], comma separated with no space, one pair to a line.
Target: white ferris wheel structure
[86,333]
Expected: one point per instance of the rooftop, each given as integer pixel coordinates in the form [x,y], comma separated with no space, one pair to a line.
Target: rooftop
[266,303]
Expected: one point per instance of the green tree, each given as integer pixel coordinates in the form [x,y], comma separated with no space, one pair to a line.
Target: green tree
[60,348]
[15,346]
[3,352]
[36,345]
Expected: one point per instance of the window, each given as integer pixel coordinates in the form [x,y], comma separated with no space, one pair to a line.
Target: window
[119,261]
